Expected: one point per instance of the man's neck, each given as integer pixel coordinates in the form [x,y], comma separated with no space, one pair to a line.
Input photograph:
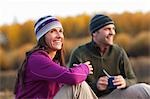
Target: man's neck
[103,48]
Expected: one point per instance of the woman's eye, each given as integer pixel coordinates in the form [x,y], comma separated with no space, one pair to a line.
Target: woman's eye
[53,30]
[56,30]
[60,30]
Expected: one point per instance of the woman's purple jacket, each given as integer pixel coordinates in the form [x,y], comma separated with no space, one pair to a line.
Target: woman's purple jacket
[44,77]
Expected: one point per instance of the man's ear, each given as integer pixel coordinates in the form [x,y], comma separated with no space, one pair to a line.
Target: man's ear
[94,34]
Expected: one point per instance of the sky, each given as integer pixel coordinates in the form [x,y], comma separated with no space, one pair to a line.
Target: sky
[23,10]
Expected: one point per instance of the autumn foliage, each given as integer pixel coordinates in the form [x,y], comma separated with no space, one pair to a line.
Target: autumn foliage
[133,34]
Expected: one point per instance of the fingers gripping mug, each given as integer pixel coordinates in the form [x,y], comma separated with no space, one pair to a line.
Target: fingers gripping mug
[110,80]
[110,83]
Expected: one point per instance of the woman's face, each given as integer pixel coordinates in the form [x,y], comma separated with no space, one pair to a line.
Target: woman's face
[54,38]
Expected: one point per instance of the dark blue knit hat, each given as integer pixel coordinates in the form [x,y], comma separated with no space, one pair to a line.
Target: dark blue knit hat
[99,21]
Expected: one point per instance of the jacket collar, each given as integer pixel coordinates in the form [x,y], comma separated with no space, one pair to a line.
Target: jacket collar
[94,48]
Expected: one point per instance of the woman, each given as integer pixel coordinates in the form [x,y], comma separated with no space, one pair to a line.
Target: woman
[43,72]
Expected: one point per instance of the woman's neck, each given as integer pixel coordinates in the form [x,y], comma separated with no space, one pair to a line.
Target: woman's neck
[52,54]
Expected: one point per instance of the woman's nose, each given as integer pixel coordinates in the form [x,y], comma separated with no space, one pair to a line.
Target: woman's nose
[60,34]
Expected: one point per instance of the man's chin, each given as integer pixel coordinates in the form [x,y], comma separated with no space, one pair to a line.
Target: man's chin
[109,44]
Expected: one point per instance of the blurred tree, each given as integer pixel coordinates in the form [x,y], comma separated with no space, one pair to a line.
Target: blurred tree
[140,45]
[3,31]
[81,26]
[132,23]
[146,22]
[68,25]
[27,33]
[13,32]
[130,27]
[75,27]
[124,40]
[3,41]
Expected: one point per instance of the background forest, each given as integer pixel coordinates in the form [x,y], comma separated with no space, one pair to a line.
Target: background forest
[133,34]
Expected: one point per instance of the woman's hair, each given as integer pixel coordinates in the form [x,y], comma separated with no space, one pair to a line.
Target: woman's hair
[41,45]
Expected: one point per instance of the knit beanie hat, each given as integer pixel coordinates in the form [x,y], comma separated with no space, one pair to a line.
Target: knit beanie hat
[99,21]
[44,24]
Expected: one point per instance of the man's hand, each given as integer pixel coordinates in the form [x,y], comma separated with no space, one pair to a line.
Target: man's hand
[102,83]
[119,81]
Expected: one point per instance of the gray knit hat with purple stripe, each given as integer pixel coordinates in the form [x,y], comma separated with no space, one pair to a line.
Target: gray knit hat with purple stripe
[99,21]
[44,24]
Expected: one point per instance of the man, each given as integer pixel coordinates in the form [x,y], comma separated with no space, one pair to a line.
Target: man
[107,58]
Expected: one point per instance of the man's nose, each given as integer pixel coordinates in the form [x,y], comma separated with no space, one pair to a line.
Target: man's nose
[112,32]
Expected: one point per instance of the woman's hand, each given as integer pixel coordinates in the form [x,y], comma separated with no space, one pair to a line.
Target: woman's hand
[89,66]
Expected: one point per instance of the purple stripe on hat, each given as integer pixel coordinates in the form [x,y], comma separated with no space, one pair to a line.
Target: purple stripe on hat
[45,23]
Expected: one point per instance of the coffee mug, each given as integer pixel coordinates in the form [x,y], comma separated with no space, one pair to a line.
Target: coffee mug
[110,83]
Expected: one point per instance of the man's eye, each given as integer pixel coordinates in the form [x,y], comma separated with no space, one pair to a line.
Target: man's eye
[114,28]
[106,29]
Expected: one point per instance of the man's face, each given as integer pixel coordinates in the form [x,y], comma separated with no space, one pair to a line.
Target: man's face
[105,35]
